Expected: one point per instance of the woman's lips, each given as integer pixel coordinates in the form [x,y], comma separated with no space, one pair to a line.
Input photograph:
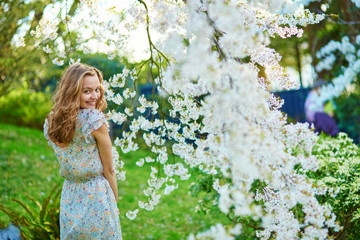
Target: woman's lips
[91,103]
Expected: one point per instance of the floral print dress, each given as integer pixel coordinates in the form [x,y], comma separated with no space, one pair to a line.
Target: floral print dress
[88,208]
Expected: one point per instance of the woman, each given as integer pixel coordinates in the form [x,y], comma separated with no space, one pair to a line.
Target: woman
[77,130]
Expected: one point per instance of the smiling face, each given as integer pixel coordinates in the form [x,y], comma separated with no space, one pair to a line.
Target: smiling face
[90,92]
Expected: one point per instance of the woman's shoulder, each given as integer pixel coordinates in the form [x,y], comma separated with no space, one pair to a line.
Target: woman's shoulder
[89,120]
[90,114]
[88,117]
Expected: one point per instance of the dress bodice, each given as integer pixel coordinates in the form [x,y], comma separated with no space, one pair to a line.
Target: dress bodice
[80,160]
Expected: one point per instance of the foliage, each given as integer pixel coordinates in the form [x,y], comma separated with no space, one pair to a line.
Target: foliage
[25,107]
[341,16]
[336,58]
[338,28]
[28,167]
[108,67]
[347,114]
[20,62]
[204,188]
[40,223]
[338,175]
[340,20]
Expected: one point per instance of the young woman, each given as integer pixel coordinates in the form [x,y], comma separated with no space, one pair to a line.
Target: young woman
[77,130]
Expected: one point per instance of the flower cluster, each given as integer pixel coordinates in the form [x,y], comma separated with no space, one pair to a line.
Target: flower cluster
[46,29]
[349,55]
[118,164]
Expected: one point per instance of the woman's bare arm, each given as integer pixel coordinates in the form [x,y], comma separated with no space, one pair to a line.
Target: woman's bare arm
[103,141]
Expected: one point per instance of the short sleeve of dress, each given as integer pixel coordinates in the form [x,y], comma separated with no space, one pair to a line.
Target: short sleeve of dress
[93,120]
[46,135]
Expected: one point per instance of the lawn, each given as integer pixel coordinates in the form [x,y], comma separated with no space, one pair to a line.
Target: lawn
[28,167]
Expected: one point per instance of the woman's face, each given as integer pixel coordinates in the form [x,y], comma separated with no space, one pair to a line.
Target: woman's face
[90,92]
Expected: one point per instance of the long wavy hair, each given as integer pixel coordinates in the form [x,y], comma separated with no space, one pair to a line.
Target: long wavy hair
[62,118]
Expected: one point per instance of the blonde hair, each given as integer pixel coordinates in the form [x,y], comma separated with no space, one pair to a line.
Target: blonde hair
[62,118]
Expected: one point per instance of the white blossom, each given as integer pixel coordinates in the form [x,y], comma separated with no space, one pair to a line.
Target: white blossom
[73,61]
[117,99]
[170,188]
[149,159]
[132,214]
[349,51]
[58,61]
[21,42]
[217,232]
[129,111]
[121,175]
[140,163]
[117,117]
[128,93]
[117,81]
[47,49]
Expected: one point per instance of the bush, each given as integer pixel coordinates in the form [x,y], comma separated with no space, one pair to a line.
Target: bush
[347,114]
[25,107]
[338,175]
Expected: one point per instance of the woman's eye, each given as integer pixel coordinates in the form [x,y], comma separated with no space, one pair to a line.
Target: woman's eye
[97,90]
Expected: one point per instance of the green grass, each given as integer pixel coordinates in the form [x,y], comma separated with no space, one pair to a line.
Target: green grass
[29,167]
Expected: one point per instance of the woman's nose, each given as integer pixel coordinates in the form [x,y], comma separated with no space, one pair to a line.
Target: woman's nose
[94,95]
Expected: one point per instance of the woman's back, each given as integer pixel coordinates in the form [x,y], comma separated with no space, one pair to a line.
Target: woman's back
[80,160]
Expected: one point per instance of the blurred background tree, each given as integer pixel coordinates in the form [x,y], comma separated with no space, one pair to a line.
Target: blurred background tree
[18,62]
[342,19]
